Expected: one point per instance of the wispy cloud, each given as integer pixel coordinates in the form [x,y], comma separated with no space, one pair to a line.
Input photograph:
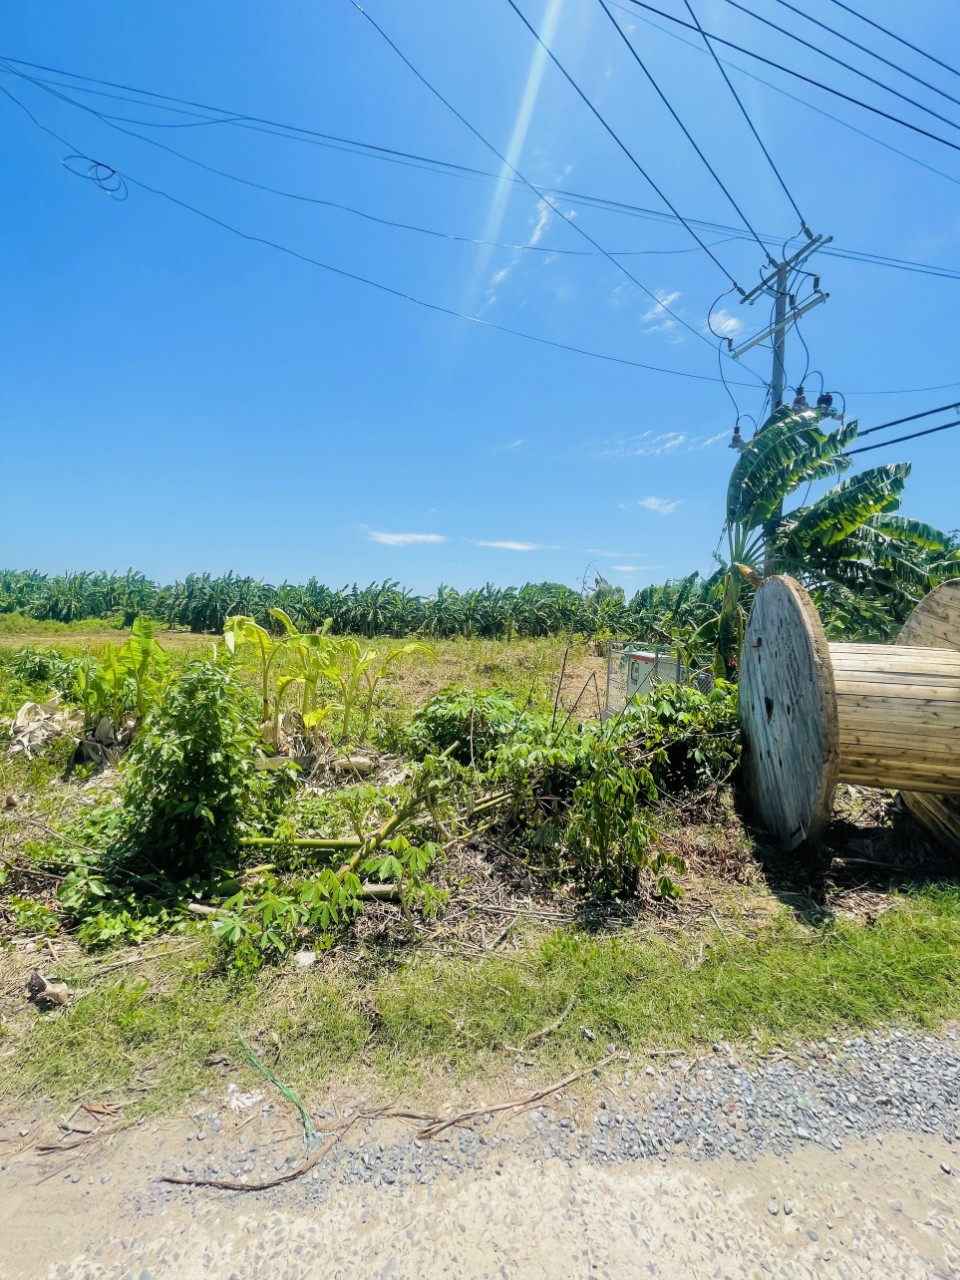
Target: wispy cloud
[540,226]
[662,506]
[657,318]
[644,445]
[704,444]
[627,568]
[724,323]
[403,539]
[511,546]
[538,223]
[513,445]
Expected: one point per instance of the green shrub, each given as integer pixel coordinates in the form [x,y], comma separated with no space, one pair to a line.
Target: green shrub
[477,722]
[191,781]
[687,738]
[33,673]
[581,796]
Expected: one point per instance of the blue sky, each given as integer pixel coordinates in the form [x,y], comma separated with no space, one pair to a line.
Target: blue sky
[176,398]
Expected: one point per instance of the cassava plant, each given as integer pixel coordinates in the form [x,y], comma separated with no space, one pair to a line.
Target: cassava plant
[191,784]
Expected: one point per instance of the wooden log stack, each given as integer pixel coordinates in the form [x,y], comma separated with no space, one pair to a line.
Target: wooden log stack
[814,714]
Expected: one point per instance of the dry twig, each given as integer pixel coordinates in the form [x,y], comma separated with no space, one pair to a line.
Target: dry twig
[231,1184]
[437,1126]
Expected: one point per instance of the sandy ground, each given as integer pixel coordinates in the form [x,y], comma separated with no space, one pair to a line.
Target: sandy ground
[882,1207]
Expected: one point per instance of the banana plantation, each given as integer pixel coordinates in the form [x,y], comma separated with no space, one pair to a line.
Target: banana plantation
[865,565]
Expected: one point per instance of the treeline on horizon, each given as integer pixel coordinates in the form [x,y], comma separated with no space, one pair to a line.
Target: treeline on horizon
[202,603]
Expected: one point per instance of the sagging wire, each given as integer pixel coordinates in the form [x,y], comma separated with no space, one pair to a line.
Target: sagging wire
[721,339]
[101,175]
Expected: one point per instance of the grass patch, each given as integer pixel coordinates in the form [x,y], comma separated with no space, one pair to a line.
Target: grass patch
[785,982]
[21,624]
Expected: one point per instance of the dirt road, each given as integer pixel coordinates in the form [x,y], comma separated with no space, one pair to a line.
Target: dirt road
[887,1205]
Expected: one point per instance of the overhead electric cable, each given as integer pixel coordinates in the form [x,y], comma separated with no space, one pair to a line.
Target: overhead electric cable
[110,121]
[845,124]
[896,422]
[798,75]
[893,36]
[350,275]
[617,139]
[871,52]
[434,164]
[746,116]
[905,391]
[930,431]
[392,155]
[847,66]
[550,203]
[666,102]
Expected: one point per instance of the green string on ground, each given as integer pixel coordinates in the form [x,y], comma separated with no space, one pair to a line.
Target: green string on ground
[310,1135]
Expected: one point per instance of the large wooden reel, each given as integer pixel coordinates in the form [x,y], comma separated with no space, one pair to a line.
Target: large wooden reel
[935,624]
[814,714]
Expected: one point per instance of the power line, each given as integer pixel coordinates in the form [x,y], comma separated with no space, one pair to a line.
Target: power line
[350,275]
[503,160]
[666,102]
[110,121]
[798,75]
[896,422]
[618,140]
[638,211]
[871,52]
[905,391]
[930,431]
[893,36]
[802,101]
[847,66]
[746,116]
[300,134]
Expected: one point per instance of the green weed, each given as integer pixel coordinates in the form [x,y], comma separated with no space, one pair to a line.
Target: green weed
[785,982]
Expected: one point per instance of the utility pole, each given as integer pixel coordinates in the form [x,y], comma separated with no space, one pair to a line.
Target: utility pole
[786,312]
[779,376]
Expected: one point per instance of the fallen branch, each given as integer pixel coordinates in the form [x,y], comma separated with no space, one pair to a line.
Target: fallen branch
[388,891]
[231,1184]
[438,1126]
[306,842]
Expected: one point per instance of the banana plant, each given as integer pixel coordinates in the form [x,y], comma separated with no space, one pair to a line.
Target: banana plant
[315,651]
[356,671]
[241,630]
[848,536]
[125,681]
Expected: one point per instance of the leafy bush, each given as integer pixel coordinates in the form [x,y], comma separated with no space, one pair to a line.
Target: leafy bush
[191,781]
[32,674]
[687,738]
[477,722]
[264,921]
[581,796]
[39,666]
[581,808]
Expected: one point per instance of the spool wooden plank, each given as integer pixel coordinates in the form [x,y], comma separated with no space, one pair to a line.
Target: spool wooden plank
[935,624]
[787,705]
[814,714]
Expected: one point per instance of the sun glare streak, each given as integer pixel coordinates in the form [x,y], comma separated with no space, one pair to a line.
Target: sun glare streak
[518,138]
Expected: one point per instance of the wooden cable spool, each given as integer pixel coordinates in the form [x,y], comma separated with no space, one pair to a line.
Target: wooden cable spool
[881,715]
